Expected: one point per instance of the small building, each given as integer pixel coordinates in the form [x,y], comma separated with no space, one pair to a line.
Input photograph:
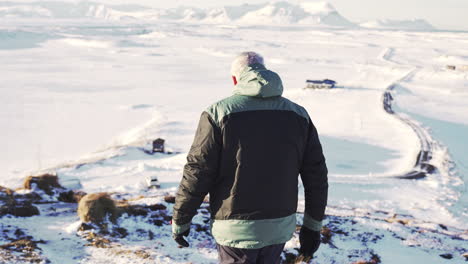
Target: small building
[158,145]
[320,84]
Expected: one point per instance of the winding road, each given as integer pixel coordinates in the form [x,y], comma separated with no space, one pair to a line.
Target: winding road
[423,165]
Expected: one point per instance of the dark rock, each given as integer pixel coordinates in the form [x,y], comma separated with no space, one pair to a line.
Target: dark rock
[67,197]
[201,228]
[30,197]
[446,256]
[119,232]
[71,196]
[22,209]
[139,210]
[19,233]
[158,222]
[375,259]
[86,226]
[134,210]
[156,207]
[444,227]
[169,199]
[6,196]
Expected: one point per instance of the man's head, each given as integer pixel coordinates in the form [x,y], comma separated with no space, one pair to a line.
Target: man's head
[243,60]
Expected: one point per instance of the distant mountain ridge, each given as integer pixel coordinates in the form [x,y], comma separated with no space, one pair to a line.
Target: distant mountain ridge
[413,24]
[271,13]
[320,13]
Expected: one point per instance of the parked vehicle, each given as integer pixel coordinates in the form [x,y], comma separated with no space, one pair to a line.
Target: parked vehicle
[153,182]
[320,84]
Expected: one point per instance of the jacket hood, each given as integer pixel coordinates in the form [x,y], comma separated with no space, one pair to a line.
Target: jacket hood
[255,80]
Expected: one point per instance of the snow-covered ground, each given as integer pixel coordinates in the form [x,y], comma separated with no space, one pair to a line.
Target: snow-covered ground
[414,24]
[82,96]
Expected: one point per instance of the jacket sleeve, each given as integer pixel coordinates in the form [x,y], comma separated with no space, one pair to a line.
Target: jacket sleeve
[199,173]
[315,180]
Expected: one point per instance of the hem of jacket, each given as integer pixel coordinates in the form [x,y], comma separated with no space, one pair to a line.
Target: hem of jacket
[311,223]
[179,229]
[253,234]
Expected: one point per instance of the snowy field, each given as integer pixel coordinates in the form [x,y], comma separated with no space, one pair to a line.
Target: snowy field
[81,96]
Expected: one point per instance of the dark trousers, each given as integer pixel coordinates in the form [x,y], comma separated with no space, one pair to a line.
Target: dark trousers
[266,255]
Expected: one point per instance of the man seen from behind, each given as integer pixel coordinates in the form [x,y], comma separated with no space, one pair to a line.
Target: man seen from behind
[248,152]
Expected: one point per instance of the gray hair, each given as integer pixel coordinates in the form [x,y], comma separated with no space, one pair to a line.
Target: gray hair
[243,60]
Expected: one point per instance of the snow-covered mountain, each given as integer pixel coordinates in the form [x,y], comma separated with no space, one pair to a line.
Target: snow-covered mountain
[58,9]
[316,13]
[413,24]
[271,13]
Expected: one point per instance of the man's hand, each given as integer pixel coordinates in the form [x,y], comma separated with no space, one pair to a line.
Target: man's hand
[179,232]
[180,238]
[310,241]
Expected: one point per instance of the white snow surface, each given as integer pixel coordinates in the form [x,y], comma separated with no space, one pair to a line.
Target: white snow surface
[83,97]
[413,24]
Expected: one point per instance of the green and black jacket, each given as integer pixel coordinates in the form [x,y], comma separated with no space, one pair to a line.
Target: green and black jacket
[247,154]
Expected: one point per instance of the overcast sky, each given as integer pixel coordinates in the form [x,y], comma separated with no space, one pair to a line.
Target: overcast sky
[443,14]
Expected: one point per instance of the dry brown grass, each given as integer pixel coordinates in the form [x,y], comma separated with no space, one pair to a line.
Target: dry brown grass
[45,182]
[95,207]
[96,240]
[394,219]
[6,191]
[21,245]
[27,249]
